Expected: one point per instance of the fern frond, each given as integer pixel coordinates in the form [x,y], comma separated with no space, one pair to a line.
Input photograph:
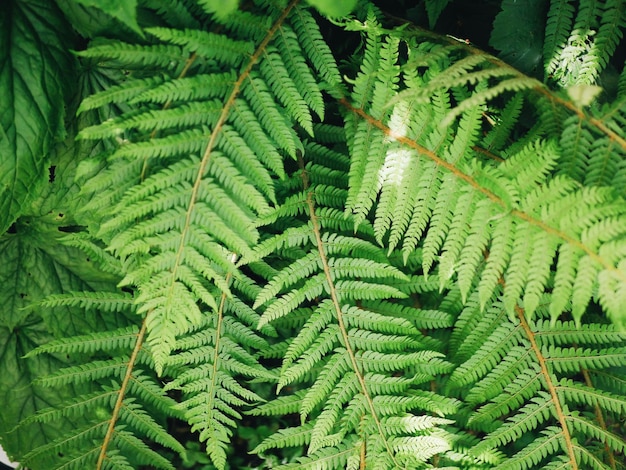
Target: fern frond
[521,385]
[174,12]
[403,318]
[518,199]
[93,371]
[558,27]
[348,353]
[287,437]
[578,393]
[121,93]
[584,48]
[207,363]
[87,433]
[430,279]
[316,50]
[76,408]
[104,301]
[208,156]
[134,55]
[220,48]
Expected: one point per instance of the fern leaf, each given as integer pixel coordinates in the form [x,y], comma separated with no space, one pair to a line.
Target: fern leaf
[316,49]
[348,352]
[222,129]
[211,46]
[303,79]
[122,93]
[135,56]
[426,277]
[579,393]
[112,340]
[609,34]
[520,394]
[274,70]
[102,415]
[288,437]
[104,301]
[205,364]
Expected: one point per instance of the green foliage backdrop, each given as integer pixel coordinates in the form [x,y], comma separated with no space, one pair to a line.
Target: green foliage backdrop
[325,235]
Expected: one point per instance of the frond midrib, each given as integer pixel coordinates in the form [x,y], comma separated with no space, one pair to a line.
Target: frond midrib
[552,388]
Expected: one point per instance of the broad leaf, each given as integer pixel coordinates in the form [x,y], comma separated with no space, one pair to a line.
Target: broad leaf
[123,10]
[518,34]
[89,22]
[35,72]
[19,395]
[33,265]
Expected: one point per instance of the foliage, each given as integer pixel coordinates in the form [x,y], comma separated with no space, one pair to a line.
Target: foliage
[282,235]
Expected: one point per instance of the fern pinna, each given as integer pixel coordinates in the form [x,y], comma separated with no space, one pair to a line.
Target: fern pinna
[112,420]
[422,277]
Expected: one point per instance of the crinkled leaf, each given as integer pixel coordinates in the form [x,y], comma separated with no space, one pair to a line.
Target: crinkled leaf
[34,262]
[35,70]
[123,10]
[19,395]
[518,34]
[88,22]
[29,271]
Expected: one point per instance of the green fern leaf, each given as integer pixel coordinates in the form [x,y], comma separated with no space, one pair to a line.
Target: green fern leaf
[135,56]
[520,385]
[348,352]
[105,413]
[220,188]
[560,18]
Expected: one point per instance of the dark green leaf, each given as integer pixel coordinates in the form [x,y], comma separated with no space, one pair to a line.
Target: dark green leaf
[20,397]
[33,264]
[123,10]
[334,8]
[518,34]
[88,22]
[35,70]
